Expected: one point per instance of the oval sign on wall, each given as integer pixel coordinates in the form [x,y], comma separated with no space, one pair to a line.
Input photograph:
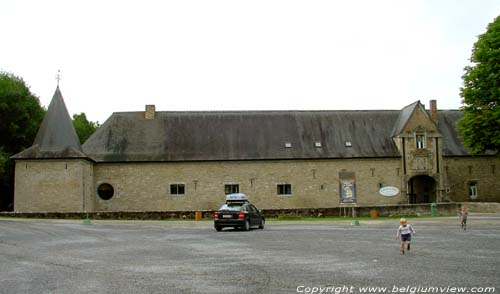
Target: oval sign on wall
[389,191]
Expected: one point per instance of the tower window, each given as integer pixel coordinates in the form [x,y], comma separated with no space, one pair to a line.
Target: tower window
[420,141]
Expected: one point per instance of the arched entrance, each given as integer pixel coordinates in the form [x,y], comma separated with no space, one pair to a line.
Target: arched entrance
[422,189]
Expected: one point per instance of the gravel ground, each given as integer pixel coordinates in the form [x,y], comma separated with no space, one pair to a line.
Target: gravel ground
[68,256]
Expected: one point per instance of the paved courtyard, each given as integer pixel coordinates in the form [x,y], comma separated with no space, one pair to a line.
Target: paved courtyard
[68,256]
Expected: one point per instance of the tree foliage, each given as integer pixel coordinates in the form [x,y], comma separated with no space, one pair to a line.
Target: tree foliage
[4,157]
[480,125]
[20,118]
[84,128]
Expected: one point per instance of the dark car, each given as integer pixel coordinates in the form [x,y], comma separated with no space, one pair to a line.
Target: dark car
[237,212]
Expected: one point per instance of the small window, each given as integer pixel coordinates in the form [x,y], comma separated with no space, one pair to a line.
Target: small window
[231,188]
[284,189]
[177,189]
[348,144]
[420,141]
[250,208]
[473,190]
[105,191]
[317,144]
[288,145]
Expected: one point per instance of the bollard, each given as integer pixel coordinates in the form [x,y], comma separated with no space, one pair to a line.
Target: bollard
[197,215]
[87,221]
[434,210]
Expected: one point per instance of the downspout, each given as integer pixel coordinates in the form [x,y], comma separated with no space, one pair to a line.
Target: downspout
[405,183]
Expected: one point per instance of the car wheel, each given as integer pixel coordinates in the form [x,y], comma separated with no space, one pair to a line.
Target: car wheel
[218,228]
[262,222]
[247,225]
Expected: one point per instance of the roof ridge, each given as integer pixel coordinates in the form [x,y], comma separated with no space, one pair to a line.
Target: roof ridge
[261,111]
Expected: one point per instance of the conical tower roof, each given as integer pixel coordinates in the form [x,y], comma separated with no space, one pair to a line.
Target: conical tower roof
[56,137]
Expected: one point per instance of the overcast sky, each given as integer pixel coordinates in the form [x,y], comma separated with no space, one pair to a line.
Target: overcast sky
[242,55]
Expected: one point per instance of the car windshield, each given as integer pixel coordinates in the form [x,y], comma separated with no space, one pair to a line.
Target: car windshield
[231,206]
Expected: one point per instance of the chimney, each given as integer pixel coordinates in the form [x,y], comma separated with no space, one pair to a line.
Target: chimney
[433,110]
[150,112]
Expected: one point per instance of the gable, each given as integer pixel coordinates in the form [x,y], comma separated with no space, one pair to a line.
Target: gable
[414,118]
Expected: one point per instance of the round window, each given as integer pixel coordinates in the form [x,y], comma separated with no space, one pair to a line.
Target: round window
[105,191]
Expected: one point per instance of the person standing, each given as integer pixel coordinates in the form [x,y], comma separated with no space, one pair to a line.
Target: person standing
[404,232]
[464,213]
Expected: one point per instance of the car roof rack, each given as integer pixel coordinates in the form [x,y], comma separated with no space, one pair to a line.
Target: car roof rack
[239,197]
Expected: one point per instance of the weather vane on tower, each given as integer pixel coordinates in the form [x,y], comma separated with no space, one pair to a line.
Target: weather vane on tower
[58,77]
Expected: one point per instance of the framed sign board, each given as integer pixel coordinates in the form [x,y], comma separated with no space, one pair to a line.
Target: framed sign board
[347,188]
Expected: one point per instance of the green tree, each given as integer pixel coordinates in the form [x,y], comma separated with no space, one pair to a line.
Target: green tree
[4,157]
[480,125]
[84,128]
[20,118]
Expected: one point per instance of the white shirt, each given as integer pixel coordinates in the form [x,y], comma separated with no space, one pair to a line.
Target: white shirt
[404,230]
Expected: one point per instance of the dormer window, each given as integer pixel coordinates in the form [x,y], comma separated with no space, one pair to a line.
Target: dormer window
[420,141]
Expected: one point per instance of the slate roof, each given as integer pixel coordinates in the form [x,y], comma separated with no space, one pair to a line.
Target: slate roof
[234,135]
[403,117]
[56,137]
[254,135]
[452,144]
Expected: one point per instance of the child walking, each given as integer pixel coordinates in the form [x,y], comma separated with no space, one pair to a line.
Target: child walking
[404,231]
[464,213]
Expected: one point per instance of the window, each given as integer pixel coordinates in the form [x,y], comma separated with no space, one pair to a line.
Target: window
[105,191]
[284,189]
[177,189]
[233,206]
[231,188]
[251,208]
[473,190]
[420,141]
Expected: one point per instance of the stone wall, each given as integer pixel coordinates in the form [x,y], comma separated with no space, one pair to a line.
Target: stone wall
[71,185]
[315,183]
[460,171]
[442,209]
[482,207]
[53,185]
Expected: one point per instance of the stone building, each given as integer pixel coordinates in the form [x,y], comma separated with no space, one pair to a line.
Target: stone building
[156,161]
